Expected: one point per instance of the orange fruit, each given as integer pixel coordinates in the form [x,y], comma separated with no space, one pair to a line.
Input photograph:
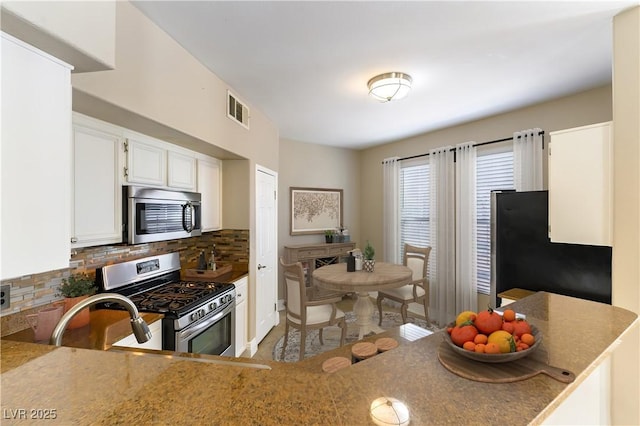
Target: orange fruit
[504,340]
[508,327]
[470,346]
[480,348]
[463,333]
[480,338]
[521,327]
[509,315]
[528,339]
[488,321]
[491,348]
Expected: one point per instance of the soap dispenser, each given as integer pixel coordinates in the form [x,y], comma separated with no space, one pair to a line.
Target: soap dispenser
[212,259]
[202,263]
[351,263]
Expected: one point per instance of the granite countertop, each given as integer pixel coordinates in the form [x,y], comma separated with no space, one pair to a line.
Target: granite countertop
[106,387]
[106,327]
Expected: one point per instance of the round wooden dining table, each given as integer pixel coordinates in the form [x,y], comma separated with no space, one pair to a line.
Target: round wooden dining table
[385,275]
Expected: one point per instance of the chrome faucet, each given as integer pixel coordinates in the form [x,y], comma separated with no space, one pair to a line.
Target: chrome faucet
[138,325]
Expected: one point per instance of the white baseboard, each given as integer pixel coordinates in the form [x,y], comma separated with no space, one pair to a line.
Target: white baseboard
[253,347]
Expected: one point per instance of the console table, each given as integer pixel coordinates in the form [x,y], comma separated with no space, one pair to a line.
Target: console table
[314,256]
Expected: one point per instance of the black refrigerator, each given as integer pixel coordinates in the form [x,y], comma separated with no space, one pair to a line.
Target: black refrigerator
[523,257]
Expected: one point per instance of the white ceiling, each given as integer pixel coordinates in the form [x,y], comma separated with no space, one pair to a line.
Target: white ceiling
[305,64]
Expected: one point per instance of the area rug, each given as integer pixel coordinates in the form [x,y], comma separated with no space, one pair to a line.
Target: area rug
[331,336]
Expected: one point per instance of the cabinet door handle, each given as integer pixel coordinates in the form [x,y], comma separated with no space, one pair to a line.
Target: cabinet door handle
[74,240]
[261,266]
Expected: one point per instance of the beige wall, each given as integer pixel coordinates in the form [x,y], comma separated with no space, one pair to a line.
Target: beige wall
[588,107]
[626,223]
[317,166]
[159,89]
[235,205]
[81,33]
[159,80]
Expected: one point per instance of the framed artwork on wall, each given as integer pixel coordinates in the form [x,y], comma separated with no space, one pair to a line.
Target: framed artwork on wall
[314,210]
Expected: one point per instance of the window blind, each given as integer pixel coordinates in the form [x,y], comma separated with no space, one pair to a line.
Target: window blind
[493,171]
[414,204]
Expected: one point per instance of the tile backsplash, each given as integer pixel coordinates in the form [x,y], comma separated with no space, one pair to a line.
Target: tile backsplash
[31,292]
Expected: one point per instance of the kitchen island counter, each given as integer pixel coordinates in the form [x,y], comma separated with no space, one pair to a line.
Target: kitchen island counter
[88,386]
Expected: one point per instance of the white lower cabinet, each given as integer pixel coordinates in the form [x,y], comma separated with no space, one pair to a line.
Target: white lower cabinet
[589,403]
[154,343]
[242,287]
[96,215]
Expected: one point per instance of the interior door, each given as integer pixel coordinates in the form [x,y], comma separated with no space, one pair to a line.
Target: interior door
[266,252]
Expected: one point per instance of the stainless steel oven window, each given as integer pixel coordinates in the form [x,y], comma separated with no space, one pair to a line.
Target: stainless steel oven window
[215,340]
[211,336]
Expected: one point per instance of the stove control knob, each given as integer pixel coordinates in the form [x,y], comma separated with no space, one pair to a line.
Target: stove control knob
[213,306]
[193,316]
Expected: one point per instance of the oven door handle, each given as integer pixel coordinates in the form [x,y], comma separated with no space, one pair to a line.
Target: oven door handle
[188,333]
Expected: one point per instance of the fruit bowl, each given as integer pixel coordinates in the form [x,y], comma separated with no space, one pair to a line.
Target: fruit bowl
[496,358]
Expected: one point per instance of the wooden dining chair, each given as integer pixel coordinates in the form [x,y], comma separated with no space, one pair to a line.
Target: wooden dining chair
[303,313]
[417,259]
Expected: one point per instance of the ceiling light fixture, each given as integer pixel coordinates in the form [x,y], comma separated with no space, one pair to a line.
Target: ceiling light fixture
[390,86]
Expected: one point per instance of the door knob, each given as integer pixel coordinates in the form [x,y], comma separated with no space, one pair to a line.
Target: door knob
[261,266]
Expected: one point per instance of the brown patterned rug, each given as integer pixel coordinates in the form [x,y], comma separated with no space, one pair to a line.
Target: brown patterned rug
[331,336]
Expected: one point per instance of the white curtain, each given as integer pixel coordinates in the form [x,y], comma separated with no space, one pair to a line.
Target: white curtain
[391,210]
[442,236]
[466,243]
[527,160]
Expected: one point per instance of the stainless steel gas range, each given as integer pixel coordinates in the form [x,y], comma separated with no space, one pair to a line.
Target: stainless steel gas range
[199,317]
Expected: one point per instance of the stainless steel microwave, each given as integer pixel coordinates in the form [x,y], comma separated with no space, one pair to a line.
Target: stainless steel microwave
[153,214]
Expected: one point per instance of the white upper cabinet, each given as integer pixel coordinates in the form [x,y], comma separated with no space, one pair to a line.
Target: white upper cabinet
[210,187]
[580,185]
[182,171]
[146,163]
[96,190]
[155,163]
[103,151]
[36,160]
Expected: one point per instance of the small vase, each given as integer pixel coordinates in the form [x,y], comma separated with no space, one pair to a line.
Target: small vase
[327,239]
[368,264]
[82,318]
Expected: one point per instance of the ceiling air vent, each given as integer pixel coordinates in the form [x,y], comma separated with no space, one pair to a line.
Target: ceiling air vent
[237,111]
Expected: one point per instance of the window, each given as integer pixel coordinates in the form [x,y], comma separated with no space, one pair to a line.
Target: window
[414,204]
[494,170]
